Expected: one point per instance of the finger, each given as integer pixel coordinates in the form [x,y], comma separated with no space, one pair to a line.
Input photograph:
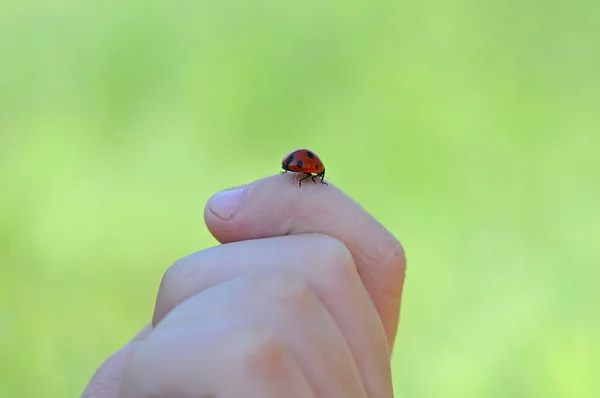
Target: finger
[219,359]
[283,302]
[327,266]
[273,308]
[276,206]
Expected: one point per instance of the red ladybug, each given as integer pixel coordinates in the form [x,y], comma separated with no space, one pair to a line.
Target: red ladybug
[304,161]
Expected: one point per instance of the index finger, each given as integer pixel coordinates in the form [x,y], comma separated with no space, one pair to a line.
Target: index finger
[277,206]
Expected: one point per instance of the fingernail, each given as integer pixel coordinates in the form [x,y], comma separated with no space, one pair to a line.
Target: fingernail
[227,203]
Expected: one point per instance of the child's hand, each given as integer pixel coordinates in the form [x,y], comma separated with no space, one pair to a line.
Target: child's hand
[302,301]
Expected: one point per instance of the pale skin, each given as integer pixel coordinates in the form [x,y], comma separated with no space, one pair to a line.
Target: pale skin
[301,299]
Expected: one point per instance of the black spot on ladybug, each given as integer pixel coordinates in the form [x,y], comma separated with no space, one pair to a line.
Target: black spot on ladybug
[299,163]
[310,154]
[317,166]
[289,160]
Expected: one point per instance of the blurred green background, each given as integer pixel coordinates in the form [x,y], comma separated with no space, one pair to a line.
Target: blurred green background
[469,128]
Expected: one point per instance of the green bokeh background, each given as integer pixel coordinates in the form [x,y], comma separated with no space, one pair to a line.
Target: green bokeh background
[469,128]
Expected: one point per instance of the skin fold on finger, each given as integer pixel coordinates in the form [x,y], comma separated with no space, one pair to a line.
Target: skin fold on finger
[282,302]
[327,266]
[276,206]
[224,359]
[106,380]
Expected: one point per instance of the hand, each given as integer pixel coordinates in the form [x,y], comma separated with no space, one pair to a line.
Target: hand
[301,300]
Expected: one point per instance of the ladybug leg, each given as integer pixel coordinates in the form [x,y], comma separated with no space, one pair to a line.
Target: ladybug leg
[322,176]
[313,178]
[307,175]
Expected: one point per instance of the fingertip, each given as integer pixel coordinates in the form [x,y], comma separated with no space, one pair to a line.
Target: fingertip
[225,204]
[226,214]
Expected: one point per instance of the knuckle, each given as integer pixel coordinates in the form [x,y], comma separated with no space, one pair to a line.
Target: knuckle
[288,290]
[389,253]
[395,265]
[262,352]
[172,289]
[338,260]
[397,257]
[335,248]
[174,274]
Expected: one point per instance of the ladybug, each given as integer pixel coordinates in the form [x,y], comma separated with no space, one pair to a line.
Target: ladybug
[304,161]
